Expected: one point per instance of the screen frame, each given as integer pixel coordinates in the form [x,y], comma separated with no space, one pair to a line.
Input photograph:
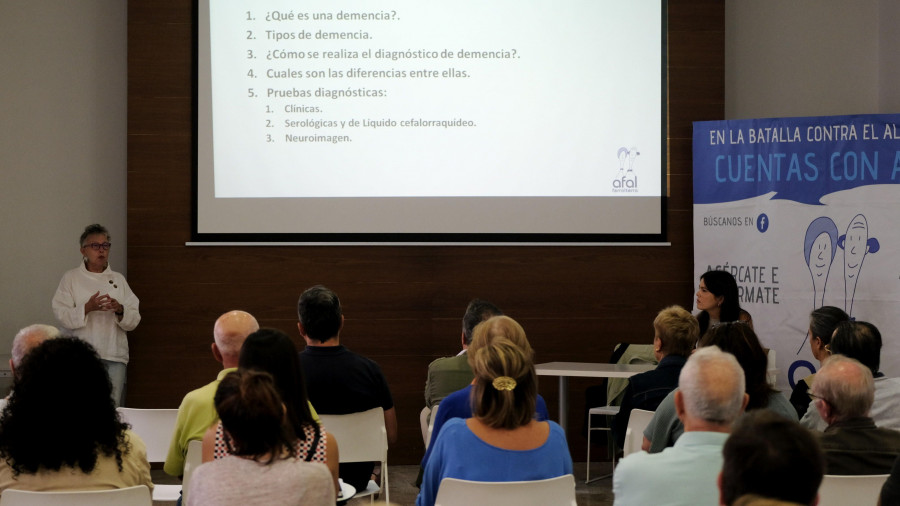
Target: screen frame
[459,239]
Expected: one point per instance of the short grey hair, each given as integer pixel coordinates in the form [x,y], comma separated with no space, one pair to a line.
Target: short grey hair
[29,338]
[847,385]
[712,385]
[95,228]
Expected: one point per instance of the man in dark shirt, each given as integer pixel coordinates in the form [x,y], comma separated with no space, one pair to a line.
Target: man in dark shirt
[843,391]
[339,381]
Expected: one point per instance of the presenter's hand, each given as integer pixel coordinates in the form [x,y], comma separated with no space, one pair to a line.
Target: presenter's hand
[95,303]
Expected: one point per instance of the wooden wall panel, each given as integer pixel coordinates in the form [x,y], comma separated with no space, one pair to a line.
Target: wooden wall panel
[403,304]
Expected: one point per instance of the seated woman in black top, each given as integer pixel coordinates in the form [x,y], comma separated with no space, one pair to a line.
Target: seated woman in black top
[675,332]
[822,323]
[718,301]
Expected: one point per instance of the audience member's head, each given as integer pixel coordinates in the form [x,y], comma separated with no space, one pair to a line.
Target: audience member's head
[319,311]
[229,333]
[27,339]
[504,394]
[822,323]
[477,311]
[739,339]
[770,456]
[722,284]
[253,416]
[677,331]
[858,340]
[498,327]
[843,389]
[61,411]
[273,352]
[710,390]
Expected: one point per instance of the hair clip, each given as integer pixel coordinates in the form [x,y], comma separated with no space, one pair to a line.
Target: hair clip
[504,383]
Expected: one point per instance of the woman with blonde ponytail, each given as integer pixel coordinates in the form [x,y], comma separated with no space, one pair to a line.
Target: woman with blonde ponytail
[502,441]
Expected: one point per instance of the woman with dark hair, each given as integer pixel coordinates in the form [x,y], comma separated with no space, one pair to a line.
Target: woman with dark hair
[502,441]
[61,431]
[272,351]
[718,301]
[261,466]
[822,323]
[738,339]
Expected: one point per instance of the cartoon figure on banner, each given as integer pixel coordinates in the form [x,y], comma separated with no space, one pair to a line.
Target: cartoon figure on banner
[856,244]
[819,248]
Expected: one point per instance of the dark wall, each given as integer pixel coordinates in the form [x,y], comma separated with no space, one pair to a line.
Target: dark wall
[402,304]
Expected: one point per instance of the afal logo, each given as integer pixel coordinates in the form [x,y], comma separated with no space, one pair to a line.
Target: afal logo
[626,180]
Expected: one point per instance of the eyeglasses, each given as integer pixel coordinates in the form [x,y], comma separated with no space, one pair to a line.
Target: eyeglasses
[810,393]
[97,246]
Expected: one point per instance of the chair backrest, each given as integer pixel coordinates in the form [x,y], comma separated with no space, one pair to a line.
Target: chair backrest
[192,460]
[771,368]
[423,423]
[154,426]
[131,496]
[634,436]
[843,490]
[558,491]
[361,437]
[430,429]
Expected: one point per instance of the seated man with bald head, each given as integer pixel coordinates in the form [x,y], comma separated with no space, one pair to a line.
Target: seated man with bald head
[843,392]
[709,399]
[197,411]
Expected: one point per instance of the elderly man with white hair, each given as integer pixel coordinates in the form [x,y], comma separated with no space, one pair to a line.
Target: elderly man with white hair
[26,340]
[843,392]
[709,399]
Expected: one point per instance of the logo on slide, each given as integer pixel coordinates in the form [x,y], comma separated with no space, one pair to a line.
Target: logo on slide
[626,180]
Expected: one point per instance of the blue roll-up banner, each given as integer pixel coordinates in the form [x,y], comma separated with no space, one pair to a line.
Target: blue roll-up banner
[804,212]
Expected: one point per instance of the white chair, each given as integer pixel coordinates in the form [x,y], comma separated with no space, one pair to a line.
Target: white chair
[771,368]
[192,460]
[843,490]
[131,496]
[362,437]
[423,423]
[551,492]
[634,436]
[430,429]
[610,412]
[155,427]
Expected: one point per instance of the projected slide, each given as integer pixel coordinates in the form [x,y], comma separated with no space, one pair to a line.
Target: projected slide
[414,117]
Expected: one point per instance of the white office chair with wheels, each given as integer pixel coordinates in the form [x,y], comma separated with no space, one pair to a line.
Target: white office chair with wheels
[610,412]
[551,492]
[131,496]
[155,427]
[362,437]
[843,490]
[634,436]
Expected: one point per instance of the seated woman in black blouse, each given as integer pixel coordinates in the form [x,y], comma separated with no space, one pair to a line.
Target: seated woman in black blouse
[675,333]
[822,323]
[719,301]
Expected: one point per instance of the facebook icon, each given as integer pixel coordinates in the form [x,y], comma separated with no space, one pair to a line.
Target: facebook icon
[762,223]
